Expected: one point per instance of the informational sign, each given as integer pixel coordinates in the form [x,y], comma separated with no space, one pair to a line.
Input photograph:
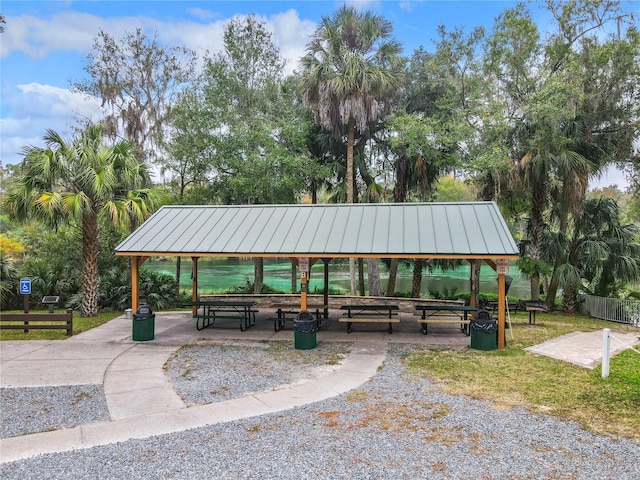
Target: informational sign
[25,286]
[502,266]
[303,264]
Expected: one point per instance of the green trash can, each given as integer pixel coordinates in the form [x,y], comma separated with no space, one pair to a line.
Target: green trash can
[484,334]
[144,324]
[305,326]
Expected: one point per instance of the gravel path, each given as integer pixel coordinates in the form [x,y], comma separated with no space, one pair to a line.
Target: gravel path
[396,426]
[38,409]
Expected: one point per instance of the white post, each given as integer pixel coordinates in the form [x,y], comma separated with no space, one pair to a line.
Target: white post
[606,341]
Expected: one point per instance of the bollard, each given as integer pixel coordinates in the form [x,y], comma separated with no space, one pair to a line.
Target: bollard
[606,342]
[128,314]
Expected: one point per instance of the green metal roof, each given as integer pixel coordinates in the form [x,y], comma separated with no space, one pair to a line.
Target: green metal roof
[463,230]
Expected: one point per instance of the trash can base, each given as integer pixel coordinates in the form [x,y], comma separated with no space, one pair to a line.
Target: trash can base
[304,341]
[143,328]
[484,340]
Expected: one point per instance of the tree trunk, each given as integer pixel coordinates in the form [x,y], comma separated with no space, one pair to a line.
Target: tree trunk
[416,285]
[351,134]
[352,276]
[475,283]
[361,277]
[569,299]
[539,195]
[552,289]
[393,273]
[258,269]
[350,199]
[178,268]
[294,278]
[90,277]
[373,272]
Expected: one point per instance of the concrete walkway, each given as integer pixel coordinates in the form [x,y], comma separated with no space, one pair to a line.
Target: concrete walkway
[142,402]
[584,348]
[140,399]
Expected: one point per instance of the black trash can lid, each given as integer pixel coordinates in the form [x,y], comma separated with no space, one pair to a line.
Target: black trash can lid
[305,316]
[144,309]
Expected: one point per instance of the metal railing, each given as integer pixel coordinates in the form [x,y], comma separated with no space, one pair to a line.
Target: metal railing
[613,309]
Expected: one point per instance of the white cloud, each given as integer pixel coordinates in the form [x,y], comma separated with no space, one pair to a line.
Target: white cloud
[38,37]
[291,34]
[34,108]
[203,13]
[29,109]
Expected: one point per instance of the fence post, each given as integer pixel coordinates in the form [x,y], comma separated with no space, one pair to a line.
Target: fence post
[606,341]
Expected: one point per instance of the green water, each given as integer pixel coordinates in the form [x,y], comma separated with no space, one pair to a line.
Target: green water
[217,274]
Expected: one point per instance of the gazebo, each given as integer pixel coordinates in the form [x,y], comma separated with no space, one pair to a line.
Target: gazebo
[461,230]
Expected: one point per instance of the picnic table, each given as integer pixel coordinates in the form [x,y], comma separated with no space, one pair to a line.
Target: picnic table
[445,313]
[213,310]
[512,306]
[373,313]
[290,310]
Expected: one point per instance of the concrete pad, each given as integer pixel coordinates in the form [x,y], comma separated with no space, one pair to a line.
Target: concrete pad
[51,373]
[145,356]
[141,402]
[135,383]
[86,352]
[161,416]
[583,348]
[13,349]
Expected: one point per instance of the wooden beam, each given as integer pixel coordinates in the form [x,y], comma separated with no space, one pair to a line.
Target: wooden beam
[135,263]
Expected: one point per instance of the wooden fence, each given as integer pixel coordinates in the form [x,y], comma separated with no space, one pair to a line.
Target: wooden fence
[37,321]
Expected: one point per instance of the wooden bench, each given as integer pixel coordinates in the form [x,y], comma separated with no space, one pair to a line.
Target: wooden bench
[443,318]
[358,319]
[43,321]
[449,313]
[370,313]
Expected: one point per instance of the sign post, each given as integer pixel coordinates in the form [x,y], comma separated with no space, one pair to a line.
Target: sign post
[25,290]
[303,265]
[502,266]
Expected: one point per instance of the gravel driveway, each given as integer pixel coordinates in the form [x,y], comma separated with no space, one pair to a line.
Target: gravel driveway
[396,426]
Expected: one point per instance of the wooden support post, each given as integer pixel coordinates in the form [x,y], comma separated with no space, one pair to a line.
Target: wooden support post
[501,309]
[134,284]
[303,291]
[136,263]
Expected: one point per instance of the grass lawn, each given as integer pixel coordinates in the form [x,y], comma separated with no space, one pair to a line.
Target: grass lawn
[80,324]
[512,377]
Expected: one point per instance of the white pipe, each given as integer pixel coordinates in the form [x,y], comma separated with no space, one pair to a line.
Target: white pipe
[606,342]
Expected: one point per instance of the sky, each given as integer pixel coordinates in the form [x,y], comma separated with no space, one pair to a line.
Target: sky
[45,44]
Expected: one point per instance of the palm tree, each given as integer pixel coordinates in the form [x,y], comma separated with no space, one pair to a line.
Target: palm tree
[351,71]
[82,182]
[350,74]
[599,252]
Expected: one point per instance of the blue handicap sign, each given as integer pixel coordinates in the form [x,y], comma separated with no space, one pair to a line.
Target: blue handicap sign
[25,286]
